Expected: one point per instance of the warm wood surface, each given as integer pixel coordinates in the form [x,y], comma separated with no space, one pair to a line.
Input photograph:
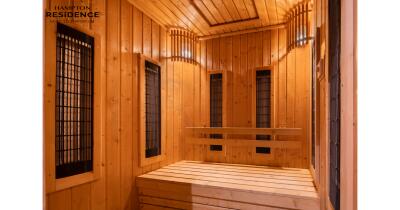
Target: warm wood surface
[241,130]
[244,143]
[237,58]
[322,166]
[349,121]
[125,30]
[122,31]
[155,160]
[194,184]
[206,17]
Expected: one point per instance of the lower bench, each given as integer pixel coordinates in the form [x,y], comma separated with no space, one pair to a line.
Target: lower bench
[202,185]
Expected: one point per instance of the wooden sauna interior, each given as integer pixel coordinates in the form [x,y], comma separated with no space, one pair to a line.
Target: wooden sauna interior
[232,38]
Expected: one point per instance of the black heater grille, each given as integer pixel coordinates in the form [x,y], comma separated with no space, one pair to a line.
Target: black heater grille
[334,102]
[314,105]
[216,106]
[263,102]
[74,102]
[334,138]
[153,110]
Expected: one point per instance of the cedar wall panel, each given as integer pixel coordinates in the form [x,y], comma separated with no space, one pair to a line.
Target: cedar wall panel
[238,56]
[124,30]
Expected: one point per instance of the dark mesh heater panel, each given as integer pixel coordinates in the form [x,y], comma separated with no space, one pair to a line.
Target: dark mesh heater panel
[74,102]
[263,102]
[216,106]
[334,102]
[153,109]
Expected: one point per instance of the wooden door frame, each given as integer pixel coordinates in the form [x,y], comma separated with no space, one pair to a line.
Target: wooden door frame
[51,183]
[348,127]
[141,59]
[348,109]
[348,115]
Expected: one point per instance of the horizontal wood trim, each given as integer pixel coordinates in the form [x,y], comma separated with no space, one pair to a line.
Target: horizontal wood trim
[240,179]
[75,180]
[245,142]
[231,185]
[246,168]
[241,184]
[203,200]
[235,182]
[215,71]
[242,130]
[215,17]
[228,192]
[265,28]
[176,204]
[148,161]
[262,68]
[253,175]
[237,24]
[144,206]
[224,185]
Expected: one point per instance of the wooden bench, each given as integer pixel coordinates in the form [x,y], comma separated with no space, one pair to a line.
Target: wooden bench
[205,185]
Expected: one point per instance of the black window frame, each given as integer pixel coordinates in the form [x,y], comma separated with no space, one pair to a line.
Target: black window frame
[74,98]
[263,105]
[152,109]
[216,109]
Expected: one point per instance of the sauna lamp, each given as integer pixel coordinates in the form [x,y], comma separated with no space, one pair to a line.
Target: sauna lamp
[183,45]
[298,25]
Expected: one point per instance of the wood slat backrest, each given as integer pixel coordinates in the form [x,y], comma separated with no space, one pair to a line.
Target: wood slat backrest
[243,130]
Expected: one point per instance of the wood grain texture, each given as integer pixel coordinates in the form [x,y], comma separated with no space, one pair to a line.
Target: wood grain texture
[211,17]
[60,200]
[186,184]
[126,105]
[246,130]
[80,199]
[122,31]
[349,122]
[113,115]
[240,55]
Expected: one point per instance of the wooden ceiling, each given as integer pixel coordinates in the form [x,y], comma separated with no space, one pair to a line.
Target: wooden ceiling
[210,17]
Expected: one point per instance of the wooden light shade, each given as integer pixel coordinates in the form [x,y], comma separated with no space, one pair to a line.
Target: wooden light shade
[298,25]
[183,45]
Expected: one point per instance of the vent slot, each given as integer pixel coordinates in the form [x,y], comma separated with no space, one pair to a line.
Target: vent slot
[263,150]
[215,147]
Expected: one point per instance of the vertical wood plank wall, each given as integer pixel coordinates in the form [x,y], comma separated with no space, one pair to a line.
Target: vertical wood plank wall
[238,56]
[124,30]
[321,20]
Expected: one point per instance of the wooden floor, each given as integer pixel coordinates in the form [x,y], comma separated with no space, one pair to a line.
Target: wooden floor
[204,185]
